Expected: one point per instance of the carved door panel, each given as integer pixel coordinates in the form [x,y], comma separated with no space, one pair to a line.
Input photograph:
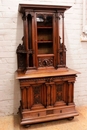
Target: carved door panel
[38,96]
[60,91]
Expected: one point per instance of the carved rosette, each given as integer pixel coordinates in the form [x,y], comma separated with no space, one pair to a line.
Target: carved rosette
[45,62]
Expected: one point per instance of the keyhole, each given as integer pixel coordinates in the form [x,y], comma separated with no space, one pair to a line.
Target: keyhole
[38,114]
[60,111]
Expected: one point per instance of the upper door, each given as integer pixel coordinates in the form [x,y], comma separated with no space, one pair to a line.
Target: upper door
[45,39]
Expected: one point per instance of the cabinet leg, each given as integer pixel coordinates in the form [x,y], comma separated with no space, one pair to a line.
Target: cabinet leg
[27,126]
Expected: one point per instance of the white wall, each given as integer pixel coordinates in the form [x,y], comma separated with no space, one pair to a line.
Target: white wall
[10,36]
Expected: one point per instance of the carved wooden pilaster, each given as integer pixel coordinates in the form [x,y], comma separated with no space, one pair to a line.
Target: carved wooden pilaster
[61,51]
[23,97]
[32,42]
[57,40]
[70,92]
[25,23]
[64,58]
[48,93]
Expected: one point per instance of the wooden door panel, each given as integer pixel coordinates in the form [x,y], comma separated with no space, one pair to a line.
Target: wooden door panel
[38,92]
[60,91]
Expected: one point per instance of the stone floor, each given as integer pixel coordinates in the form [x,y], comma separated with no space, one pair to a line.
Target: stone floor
[78,123]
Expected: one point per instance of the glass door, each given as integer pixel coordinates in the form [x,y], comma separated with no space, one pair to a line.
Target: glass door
[45,38]
[45,34]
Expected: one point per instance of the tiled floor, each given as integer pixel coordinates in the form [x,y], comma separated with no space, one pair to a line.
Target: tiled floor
[78,123]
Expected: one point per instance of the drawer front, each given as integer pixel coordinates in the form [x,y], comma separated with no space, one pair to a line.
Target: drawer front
[62,111]
[34,114]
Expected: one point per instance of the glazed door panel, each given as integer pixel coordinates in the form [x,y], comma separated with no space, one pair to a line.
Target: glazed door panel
[45,39]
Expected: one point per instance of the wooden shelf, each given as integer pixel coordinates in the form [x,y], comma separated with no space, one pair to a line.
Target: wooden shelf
[45,55]
[44,41]
[42,27]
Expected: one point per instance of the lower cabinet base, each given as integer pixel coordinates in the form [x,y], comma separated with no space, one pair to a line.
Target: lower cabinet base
[43,115]
[47,98]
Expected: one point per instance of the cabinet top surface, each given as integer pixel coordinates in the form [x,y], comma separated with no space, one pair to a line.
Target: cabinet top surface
[23,7]
[44,73]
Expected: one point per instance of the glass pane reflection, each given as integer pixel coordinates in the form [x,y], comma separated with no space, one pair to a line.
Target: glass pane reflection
[44,20]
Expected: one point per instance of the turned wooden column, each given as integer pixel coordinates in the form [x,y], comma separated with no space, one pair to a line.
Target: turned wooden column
[26,42]
[63,44]
[70,92]
[24,97]
[57,40]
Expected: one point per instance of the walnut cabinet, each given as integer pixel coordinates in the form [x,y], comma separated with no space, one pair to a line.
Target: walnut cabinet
[46,83]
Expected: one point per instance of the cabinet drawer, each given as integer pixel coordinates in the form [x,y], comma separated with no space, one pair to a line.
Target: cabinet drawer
[34,114]
[65,110]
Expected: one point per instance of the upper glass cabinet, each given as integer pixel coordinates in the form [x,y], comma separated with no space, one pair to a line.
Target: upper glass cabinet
[44,33]
[43,40]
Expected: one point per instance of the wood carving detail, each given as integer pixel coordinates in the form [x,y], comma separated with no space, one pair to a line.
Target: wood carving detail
[49,112]
[21,55]
[21,48]
[62,50]
[48,79]
[45,62]
[59,14]
[36,91]
[59,88]
[21,59]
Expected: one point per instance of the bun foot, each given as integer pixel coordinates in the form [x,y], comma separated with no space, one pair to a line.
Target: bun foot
[71,118]
[27,126]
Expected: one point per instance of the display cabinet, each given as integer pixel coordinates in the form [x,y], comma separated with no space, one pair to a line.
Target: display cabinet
[46,83]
